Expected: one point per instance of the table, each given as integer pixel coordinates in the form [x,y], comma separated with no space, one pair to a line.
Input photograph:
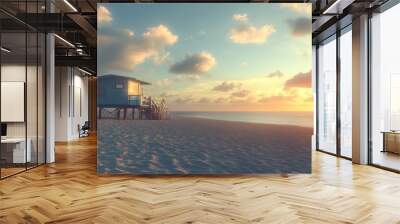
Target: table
[19,155]
[391,141]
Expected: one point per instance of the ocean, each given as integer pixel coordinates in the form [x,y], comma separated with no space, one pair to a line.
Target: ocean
[304,119]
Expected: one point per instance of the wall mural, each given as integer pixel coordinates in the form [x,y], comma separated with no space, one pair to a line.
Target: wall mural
[204,88]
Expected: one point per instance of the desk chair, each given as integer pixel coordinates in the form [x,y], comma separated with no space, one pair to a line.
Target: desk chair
[84,130]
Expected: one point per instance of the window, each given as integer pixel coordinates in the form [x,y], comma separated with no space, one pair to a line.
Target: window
[133,88]
[394,102]
[327,96]
[119,85]
[385,89]
[134,100]
[346,93]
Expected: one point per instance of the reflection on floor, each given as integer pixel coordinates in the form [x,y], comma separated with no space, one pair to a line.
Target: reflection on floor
[10,171]
[387,159]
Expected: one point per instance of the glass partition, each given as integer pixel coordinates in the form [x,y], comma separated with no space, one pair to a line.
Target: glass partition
[13,115]
[346,93]
[22,88]
[327,96]
[41,96]
[385,89]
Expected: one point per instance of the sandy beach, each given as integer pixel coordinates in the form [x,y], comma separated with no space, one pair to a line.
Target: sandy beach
[201,146]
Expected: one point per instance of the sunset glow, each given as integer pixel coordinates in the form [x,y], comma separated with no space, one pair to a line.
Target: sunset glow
[219,57]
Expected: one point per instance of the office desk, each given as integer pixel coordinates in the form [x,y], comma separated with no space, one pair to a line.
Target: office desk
[391,141]
[17,148]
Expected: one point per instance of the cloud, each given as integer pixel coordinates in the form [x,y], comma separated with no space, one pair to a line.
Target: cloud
[160,34]
[241,93]
[129,32]
[245,33]
[183,100]
[202,33]
[221,100]
[276,74]
[240,17]
[225,86]
[243,64]
[277,99]
[248,34]
[300,26]
[109,35]
[300,80]
[302,8]
[242,100]
[103,15]
[185,77]
[124,52]
[204,100]
[167,94]
[194,64]
[163,82]
[104,39]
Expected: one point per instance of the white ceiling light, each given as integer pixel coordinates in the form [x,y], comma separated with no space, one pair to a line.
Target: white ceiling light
[64,40]
[70,5]
[5,50]
[337,7]
[84,71]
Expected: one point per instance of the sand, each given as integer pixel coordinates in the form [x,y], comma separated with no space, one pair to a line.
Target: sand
[201,146]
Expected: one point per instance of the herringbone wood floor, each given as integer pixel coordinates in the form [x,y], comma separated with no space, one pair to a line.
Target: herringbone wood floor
[70,191]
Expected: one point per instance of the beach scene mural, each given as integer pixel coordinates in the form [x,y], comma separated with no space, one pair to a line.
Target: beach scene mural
[204,88]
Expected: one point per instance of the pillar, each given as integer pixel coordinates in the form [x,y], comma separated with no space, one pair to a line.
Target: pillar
[360,90]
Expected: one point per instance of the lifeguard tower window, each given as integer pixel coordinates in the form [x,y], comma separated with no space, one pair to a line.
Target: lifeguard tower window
[134,100]
[134,88]
[119,86]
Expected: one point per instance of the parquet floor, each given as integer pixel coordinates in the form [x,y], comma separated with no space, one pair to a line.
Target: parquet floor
[70,191]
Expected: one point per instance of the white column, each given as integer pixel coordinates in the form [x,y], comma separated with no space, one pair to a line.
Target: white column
[50,98]
[62,103]
[360,90]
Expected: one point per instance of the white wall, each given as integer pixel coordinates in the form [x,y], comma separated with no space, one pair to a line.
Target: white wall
[62,82]
[11,73]
[71,93]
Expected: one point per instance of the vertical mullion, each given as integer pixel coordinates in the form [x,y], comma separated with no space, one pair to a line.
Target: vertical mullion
[317,96]
[46,36]
[73,92]
[369,90]
[338,81]
[37,90]
[69,91]
[26,86]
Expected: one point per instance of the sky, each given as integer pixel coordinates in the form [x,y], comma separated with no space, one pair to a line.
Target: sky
[211,57]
